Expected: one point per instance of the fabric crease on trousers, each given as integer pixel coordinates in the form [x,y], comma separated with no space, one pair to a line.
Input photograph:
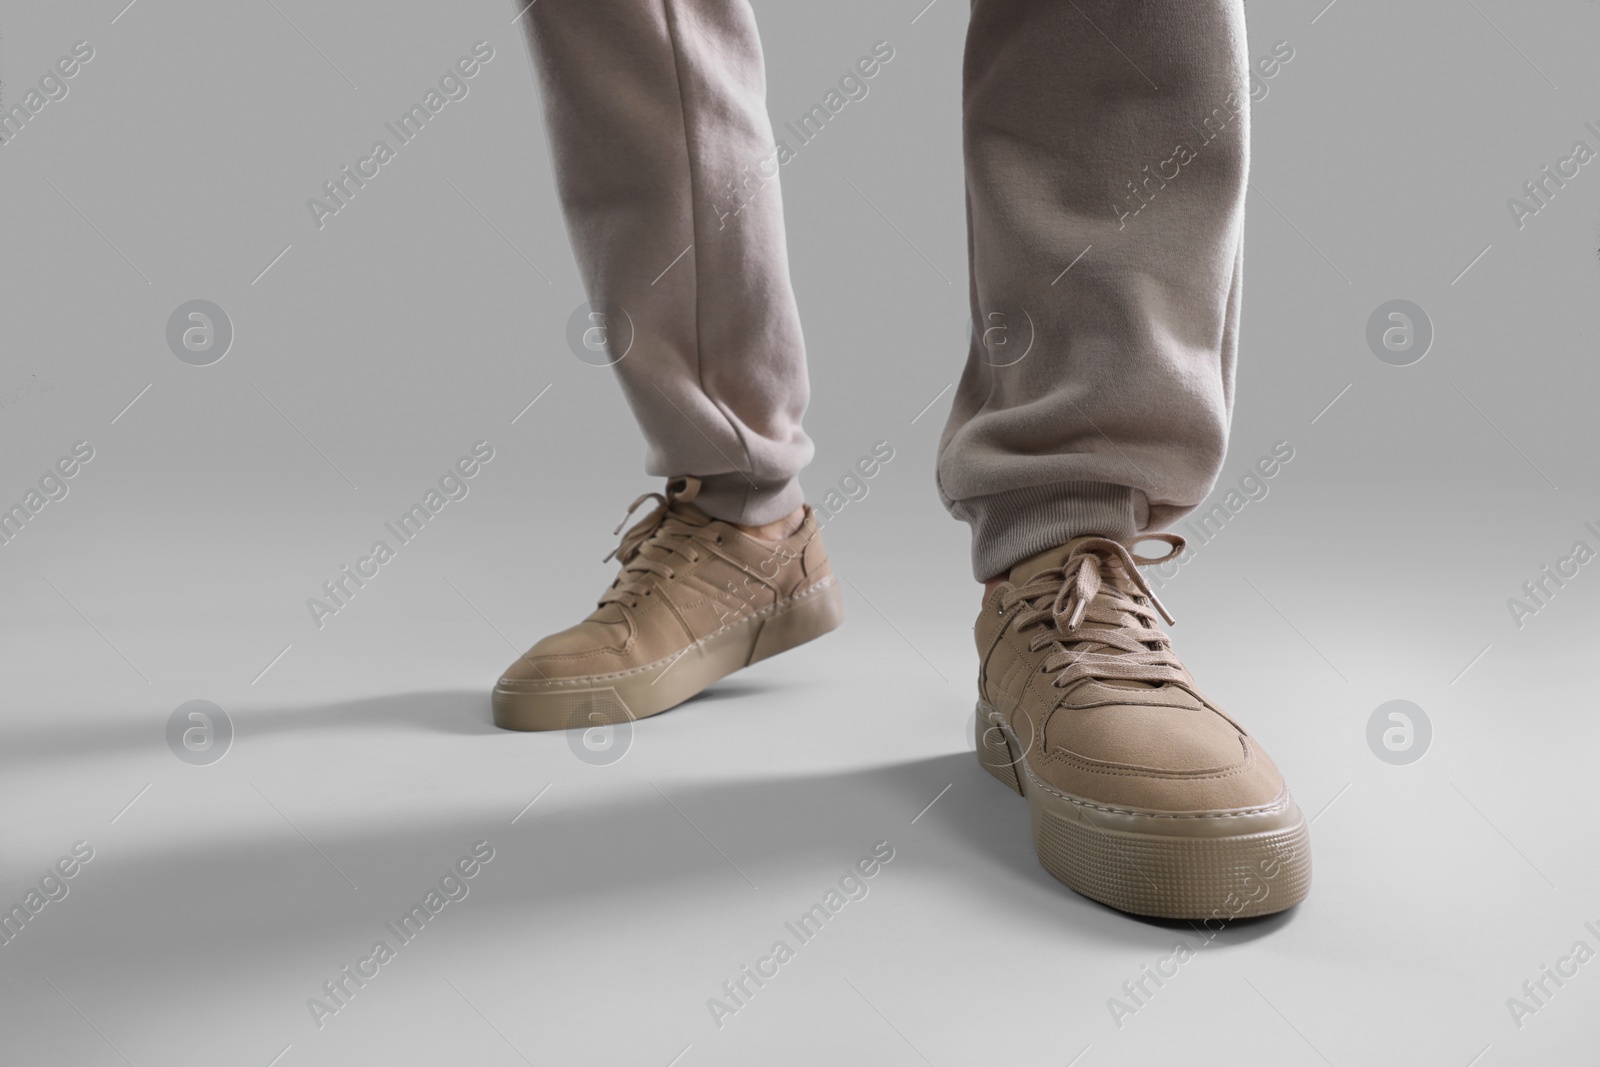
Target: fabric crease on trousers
[1106,146]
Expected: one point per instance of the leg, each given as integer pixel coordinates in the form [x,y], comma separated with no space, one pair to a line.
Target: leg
[1111,135]
[668,177]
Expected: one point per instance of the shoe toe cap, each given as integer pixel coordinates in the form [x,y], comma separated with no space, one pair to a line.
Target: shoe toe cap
[1157,758]
[586,649]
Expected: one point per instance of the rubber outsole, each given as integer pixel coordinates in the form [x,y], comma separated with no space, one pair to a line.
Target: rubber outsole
[1189,865]
[605,699]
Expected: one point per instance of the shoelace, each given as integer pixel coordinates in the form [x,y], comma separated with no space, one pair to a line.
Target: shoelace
[1100,583]
[648,546]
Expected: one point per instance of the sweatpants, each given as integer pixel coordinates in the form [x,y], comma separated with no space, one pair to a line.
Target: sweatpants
[1106,147]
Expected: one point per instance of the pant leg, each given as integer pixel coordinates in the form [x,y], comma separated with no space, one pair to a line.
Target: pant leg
[1120,127]
[667,172]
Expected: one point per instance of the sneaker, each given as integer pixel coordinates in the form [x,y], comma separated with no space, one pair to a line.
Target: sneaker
[696,600]
[1142,793]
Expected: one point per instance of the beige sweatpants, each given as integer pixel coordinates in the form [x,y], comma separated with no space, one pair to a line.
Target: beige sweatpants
[1106,148]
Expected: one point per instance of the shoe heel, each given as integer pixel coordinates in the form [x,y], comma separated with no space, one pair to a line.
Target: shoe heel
[813,614]
[995,751]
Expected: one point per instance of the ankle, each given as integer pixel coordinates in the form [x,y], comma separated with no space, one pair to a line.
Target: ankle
[777,530]
[991,585]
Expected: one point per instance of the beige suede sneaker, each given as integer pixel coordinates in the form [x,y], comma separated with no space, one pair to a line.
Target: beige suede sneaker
[696,599]
[1143,794]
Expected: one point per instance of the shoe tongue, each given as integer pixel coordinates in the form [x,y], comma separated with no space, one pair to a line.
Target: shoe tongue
[1046,560]
[684,511]
[611,613]
[1052,558]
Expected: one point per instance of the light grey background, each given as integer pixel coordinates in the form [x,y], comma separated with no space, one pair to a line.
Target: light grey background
[428,314]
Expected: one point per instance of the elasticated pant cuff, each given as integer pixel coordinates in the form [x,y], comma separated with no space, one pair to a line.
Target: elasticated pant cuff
[737,498]
[1009,527]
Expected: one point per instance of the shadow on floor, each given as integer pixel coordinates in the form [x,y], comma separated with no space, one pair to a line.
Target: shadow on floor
[78,738]
[453,712]
[679,851]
